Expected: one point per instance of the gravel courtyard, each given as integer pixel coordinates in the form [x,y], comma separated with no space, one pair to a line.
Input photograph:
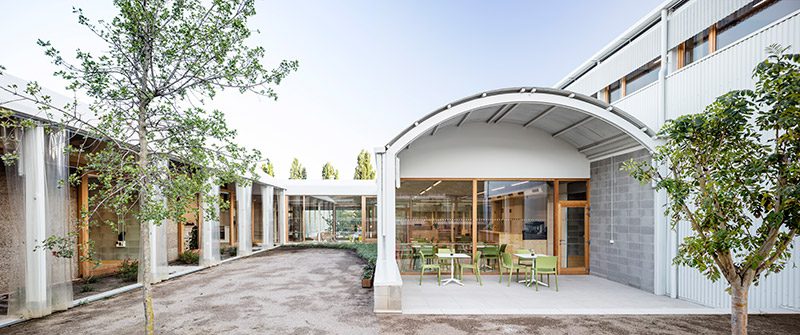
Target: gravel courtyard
[317,291]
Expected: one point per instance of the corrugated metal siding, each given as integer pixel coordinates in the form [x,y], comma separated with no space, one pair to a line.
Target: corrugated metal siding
[641,50]
[642,104]
[693,17]
[692,88]
[774,293]
[689,91]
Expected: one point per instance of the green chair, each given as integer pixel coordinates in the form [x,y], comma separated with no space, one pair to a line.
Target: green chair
[474,265]
[523,262]
[428,250]
[432,266]
[507,262]
[491,252]
[546,265]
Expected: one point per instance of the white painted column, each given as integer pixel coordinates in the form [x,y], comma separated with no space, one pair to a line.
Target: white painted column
[282,217]
[158,238]
[267,219]
[388,282]
[209,232]
[33,168]
[244,219]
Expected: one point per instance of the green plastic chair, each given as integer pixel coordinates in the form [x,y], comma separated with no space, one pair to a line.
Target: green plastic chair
[546,265]
[475,266]
[507,262]
[491,252]
[426,266]
[523,262]
[428,250]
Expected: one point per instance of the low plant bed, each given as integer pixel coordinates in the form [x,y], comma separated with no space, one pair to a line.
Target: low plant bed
[366,251]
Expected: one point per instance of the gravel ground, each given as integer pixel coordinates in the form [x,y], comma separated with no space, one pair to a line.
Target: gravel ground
[317,291]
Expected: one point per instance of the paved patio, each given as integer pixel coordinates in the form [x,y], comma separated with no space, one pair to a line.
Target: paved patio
[582,295]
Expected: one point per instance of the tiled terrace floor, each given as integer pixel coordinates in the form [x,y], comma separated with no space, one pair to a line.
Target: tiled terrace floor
[576,295]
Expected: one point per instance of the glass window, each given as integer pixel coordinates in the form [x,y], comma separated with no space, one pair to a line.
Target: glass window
[614,92]
[642,77]
[318,219]
[295,208]
[276,239]
[572,190]
[372,218]
[432,212]
[751,18]
[695,48]
[515,215]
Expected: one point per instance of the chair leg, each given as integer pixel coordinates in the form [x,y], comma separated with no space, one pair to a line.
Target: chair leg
[556,275]
[439,276]
[501,275]
[420,277]
[509,277]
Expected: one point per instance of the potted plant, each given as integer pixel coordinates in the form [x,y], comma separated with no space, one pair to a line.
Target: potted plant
[367,277]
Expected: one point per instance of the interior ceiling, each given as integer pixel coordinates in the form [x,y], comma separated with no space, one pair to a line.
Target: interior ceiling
[590,135]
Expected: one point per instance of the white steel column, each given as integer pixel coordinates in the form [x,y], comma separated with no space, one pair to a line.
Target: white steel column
[209,234]
[33,168]
[244,219]
[158,238]
[267,219]
[388,282]
[282,217]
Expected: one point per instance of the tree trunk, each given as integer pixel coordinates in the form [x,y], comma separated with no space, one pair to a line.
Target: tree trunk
[739,309]
[147,276]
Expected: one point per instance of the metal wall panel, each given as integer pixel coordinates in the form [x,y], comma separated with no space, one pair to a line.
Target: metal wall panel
[642,104]
[692,88]
[689,90]
[641,50]
[696,15]
[775,293]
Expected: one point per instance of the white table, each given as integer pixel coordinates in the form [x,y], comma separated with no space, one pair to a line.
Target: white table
[533,273]
[452,258]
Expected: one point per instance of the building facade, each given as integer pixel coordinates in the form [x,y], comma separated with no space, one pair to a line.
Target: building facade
[539,168]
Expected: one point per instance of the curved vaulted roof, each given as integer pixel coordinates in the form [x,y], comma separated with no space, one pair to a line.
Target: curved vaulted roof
[592,126]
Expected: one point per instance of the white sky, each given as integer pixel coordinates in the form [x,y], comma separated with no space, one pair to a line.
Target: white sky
[368,68]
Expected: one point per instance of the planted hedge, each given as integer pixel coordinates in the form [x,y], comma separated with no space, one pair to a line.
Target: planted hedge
[366,251]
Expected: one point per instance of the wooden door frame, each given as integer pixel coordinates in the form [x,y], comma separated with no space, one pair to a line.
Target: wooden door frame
[587,234]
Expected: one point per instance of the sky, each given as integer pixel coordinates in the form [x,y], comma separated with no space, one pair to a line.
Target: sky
[368,69]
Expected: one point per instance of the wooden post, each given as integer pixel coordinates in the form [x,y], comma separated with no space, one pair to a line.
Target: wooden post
[84,268]
[363,218]
[556,223]
[712,39]
[474,217]
[232,215]
[253,222]
[200,215]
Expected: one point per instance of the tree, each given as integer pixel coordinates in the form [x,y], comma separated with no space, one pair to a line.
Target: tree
[297,171]
[364,168]
[329,172]
[732,173]
[268,168]
[157,146]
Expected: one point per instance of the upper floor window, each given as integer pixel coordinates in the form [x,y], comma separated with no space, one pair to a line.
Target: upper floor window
[614,91]
[752,17]
[695,48]
[642,76]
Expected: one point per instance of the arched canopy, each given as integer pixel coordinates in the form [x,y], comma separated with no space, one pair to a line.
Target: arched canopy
[593,127]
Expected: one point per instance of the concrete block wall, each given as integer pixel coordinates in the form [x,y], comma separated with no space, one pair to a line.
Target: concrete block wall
[629,260]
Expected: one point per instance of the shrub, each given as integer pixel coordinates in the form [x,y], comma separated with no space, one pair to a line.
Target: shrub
[86,288]
[231,251]
[189,257]
[128,270]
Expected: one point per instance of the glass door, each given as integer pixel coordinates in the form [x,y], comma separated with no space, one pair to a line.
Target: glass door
[573,238]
